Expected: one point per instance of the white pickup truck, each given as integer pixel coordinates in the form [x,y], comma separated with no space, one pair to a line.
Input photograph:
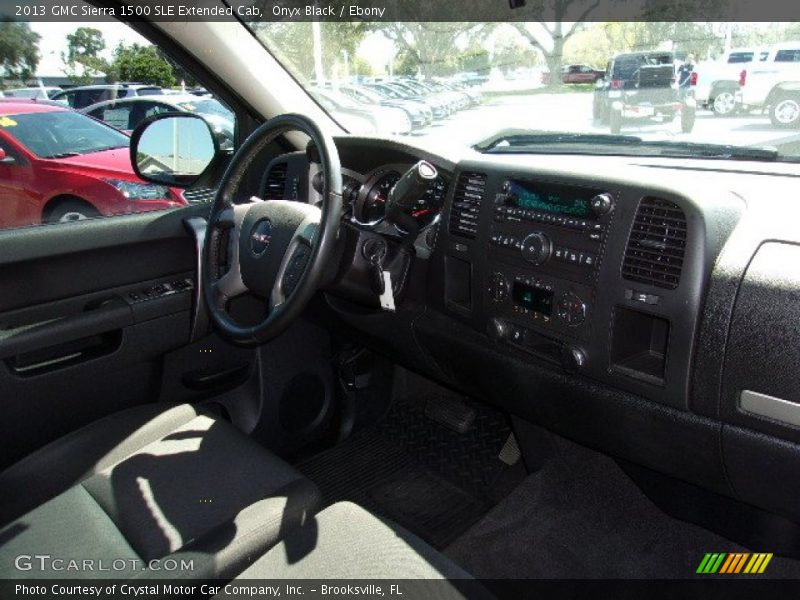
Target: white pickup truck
[774,84]
[717,82]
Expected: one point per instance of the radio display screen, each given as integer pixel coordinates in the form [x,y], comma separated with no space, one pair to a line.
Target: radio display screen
[550,198]
[537,300]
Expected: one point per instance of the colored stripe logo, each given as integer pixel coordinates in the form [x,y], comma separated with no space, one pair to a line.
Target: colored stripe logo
[734,563]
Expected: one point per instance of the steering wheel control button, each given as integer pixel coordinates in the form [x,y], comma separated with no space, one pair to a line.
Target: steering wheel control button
[260,237]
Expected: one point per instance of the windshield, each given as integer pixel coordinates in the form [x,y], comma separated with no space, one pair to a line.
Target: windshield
[62,133]
[694,84]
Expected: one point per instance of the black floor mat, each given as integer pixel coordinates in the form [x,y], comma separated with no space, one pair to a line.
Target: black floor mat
[432,480]
[584,518]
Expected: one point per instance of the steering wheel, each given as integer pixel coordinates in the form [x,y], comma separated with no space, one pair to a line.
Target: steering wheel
[276,249]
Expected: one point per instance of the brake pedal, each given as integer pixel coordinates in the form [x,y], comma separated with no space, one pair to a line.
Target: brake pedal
[452,413]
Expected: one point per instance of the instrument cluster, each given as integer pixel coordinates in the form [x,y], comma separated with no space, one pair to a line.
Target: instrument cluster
[365,198]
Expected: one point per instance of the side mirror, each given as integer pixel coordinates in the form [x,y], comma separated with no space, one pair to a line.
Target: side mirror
[173,148]
[5,159]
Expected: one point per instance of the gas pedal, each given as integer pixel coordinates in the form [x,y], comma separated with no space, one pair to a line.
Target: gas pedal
[510,453]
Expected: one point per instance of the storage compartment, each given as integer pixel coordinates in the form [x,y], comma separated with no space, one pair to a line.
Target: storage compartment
[458,283]
[762,359]
[639,345]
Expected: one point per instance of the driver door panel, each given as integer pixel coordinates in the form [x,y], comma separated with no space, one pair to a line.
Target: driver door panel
[90,314]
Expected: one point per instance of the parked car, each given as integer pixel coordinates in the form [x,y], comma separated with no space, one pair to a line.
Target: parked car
[716,83]
[774,84]
[390,89]
[127,113]
[419,113]
[576,74]
[58,165]
[85,95]
[42,92]
[642,85]
[383,119]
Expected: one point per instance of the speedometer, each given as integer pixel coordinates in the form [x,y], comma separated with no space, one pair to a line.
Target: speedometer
[373,204]
[427,209]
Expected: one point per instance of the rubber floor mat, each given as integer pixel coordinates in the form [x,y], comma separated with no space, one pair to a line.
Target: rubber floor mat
[470,460]
[381,476]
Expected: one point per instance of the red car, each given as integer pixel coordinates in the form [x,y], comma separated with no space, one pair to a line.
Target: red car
[576,74]
[58,165]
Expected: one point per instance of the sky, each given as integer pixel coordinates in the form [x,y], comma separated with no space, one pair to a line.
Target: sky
[54,41]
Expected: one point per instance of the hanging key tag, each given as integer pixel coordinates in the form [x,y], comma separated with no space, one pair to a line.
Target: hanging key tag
[387,297]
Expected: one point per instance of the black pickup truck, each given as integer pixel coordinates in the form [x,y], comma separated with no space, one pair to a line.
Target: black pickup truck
[641,85]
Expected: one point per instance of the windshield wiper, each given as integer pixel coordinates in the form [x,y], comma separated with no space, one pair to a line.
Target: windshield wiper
[598,143]
[63,155]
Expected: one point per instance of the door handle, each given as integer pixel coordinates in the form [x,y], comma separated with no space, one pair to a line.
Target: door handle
[111,315]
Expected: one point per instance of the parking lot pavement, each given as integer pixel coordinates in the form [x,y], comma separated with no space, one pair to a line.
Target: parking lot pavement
[573,112]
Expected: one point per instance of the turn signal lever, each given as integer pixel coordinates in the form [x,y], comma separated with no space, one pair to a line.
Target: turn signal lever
[404,196]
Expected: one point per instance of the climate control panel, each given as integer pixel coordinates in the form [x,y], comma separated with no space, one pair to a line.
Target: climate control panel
[548,303]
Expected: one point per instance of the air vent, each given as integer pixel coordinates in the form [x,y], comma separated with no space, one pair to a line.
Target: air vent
[656,245]
[467,204]
[275,188]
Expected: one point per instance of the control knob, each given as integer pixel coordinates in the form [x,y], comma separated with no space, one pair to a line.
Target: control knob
[601,204]
[498,287]
[537,248]
[571,309]
[498,330]
[573,358]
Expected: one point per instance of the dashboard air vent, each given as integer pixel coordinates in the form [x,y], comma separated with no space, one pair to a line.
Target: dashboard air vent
[466,204]
[656,246]
[275,188]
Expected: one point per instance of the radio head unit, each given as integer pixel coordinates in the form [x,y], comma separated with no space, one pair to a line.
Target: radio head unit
[549,198]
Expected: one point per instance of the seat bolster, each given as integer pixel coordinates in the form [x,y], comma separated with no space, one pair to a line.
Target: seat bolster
[231,547]
[70,459]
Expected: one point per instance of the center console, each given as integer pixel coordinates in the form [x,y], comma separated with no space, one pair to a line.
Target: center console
[588,274]
[545,243]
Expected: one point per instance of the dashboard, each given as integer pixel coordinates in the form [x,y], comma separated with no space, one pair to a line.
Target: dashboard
[645,307]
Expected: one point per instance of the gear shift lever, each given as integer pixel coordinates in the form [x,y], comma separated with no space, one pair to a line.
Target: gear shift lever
[406,193]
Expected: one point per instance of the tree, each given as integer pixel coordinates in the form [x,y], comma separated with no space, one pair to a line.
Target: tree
[513,53]
[549,37]
[19,50]
[292,43]
[82,58]
[590,46]
[433,45]
[142,64]
[475,59]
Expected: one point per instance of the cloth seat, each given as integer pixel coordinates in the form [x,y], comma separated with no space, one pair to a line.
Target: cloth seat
[344,541]
[150,483]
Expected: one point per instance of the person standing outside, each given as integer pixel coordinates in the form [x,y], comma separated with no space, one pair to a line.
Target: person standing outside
[685,76]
